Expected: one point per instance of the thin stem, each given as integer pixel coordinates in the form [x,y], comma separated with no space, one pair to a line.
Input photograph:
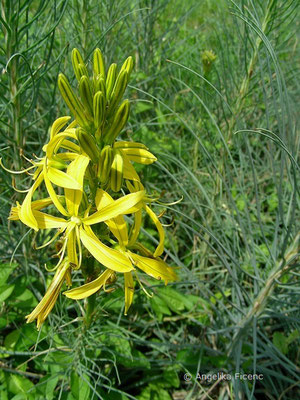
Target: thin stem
[90,307]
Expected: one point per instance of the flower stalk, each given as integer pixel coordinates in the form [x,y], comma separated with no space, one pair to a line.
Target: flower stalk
[89,176]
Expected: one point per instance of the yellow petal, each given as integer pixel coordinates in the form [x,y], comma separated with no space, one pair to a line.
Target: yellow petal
[54,196]
[129,145]
[46,221]
[160,248]
[136,227]
[46,304]
[56,141]
[140,156]
[118,207]
[129,290]
[68,145]
[156,268]
[58,125]
[62,179]
[76,170]
[110,258]
[89,288]
[25,213]
[71,246]
[128,170]
[117,225]
[42,203]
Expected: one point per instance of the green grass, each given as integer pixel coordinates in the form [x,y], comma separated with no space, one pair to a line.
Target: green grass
[226,139]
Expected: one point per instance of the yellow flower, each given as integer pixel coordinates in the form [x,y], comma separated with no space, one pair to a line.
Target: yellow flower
[77,229]
[49,170]
[152,266]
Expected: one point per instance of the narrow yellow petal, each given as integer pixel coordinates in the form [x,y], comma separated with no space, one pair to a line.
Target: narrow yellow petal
[62,179]
[110,258]
[160,248]
[140,156]
[89,288]
[58,124]
[46,304]
[117,225]
[136,227]
[46,221]
[76,170]
[128,170]
[56,141]
[156,268]
[129,290]
[54,196]
[68,145]
[129,145]
[118,207]
[42,203]
[71,247]
[25,213]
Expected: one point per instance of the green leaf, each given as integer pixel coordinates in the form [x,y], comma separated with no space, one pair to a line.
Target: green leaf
[5,270]
[29,336]
[160,307]
[18,384]
[47,385]
[11,339]
[142,106]
[174,300]
[154,391]
[79,386]
[5,292]
[293,336]
[170,377]
[281,342]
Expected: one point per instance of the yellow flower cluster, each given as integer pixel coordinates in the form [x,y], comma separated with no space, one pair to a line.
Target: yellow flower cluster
[86,173]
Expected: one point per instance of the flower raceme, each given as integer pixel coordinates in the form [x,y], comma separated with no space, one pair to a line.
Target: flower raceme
[86,172]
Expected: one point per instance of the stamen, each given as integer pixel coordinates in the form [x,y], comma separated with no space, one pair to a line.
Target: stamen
[144,290]
[15,172]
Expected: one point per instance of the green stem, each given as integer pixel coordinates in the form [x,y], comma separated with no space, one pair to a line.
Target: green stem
[90,307]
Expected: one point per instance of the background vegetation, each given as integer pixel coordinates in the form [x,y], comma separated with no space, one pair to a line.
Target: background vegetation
[213,95]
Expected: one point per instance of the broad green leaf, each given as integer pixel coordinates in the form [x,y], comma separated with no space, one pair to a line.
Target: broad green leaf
[5,270]
[5,292]
[79,386]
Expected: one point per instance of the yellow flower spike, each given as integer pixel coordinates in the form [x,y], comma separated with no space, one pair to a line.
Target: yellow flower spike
[89,288]
[44,307]
[129,290]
